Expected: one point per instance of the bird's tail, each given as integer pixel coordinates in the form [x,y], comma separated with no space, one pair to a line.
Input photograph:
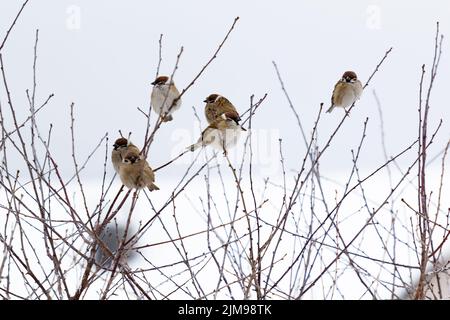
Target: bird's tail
[153,187]
[167,118]
[330,109]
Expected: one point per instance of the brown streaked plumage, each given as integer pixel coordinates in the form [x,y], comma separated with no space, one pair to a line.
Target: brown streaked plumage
[346,91]
[120,147]
[217,105]
[135,172]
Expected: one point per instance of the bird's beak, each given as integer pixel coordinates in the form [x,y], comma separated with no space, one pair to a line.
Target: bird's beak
[153,83]
[206,100]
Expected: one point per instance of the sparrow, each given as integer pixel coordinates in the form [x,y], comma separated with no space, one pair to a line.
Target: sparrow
[120,148]
[217,105]
[346,91]
[135,172]
[223,133]
[164,94]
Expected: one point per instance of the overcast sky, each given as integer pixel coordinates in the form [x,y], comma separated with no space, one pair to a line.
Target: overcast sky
[102,55]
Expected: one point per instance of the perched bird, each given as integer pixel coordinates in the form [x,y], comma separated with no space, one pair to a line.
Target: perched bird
[135,172]
[216,106]
[346,91]
[120,148]
[164,94]
[222,134]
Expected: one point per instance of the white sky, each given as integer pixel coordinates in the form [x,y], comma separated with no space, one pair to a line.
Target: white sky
[106,65]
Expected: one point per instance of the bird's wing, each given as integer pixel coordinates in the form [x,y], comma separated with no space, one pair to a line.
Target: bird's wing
[174,90]
[175,93]
[334,93]
[233,115]
[227,108]
[338,93]
[149,173]
[358,89]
